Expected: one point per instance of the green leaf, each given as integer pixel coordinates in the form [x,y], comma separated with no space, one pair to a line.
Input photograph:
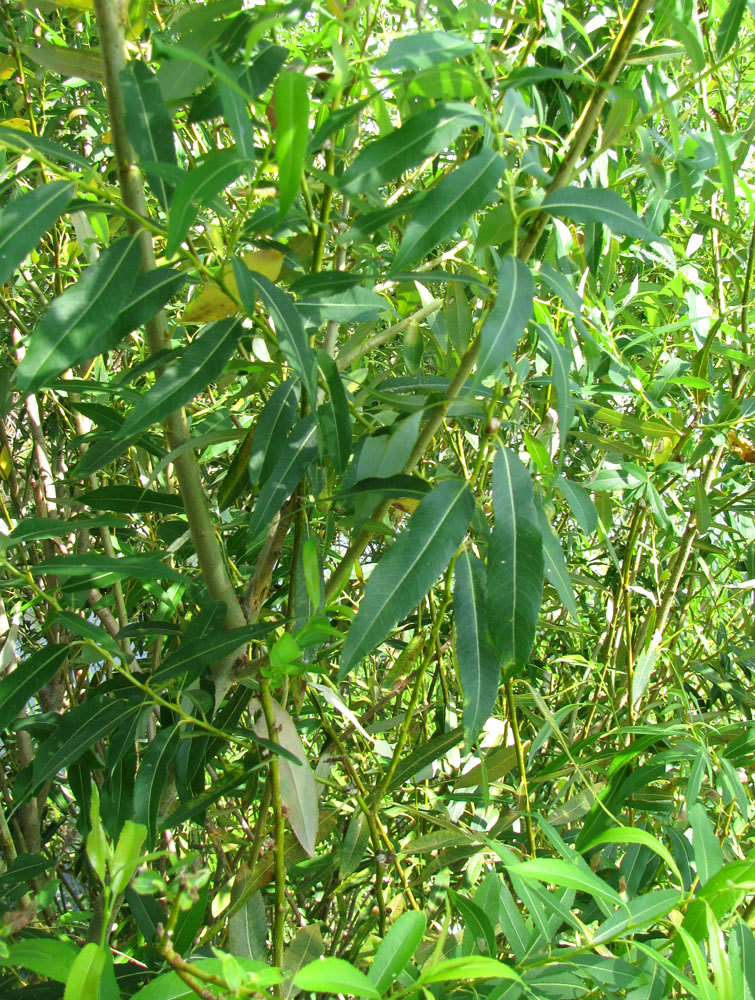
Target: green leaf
[742,958]
[289,329]
[295,457]
[25,868]
[297,782]
[448,205]
[197,653]
[556,571]
[478,929]
[128,854]
[708,851]
[201,363]
[348,304]
[634,835]
[131,500]
[334,416]
[48,957]
[396,487]
[479,666]
[84,977]
[149,294]
[169,986]
[580,501]
[638,913]
[355,842]
[423,50]
[566,875]
[725,171]
[291,134]
[306,946]
[509,316]
[75,731]
[235,110]
[469,967]
[76,325]
[335,975]
[273,427]
[151,778]
[201,185]
[22,142]
[95,565]
[424,755]
[560,361]
[397,949]
[29,677]
[247,926]
[601,206]
[515,563]
[25,220]
[728,28]
[410,567]
[420,136]
[458,316]
[148,123]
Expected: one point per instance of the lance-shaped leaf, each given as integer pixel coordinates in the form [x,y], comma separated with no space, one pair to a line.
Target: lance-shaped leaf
[148,123]
[515,563]
[335,975]
[26,680]
[289,329]
[151,291]
[479,666]
[196,654]
[420,50]
[333,416]
[296,455]
[728,27]
[420,136]
[76,325]
[555,565]
[151,778]
[201,363]
[397,949]
[75,732]
[509,316]
[601,206]
[25,220]
[273,427]
[409,568]
[298,789]
[235,110]
[219,169]
[447,206]
[291,134]
[97,565]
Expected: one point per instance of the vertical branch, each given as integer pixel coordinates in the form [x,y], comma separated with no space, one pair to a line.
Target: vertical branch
[210,555]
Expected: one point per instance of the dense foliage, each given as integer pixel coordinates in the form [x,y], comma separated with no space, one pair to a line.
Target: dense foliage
[377,510]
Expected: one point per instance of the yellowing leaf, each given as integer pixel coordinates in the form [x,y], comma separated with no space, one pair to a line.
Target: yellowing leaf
[5,463]
[18,123]
[212,303]
[7,67]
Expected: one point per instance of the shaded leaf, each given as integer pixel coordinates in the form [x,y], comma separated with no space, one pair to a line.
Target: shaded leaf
[295,457]
[411,566]
[151,291]
[355,842]
[77,323]
[273,427]
[420,136]
[448,205]
[479,666]
[151,778]
[201,363]
[515,563]
[334,416]
[25,220]
[131,500]
[289,330]
[306,946]
[148,123]
[46,957]
[508,318]
[600,206]
[219,169]
[27,679]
